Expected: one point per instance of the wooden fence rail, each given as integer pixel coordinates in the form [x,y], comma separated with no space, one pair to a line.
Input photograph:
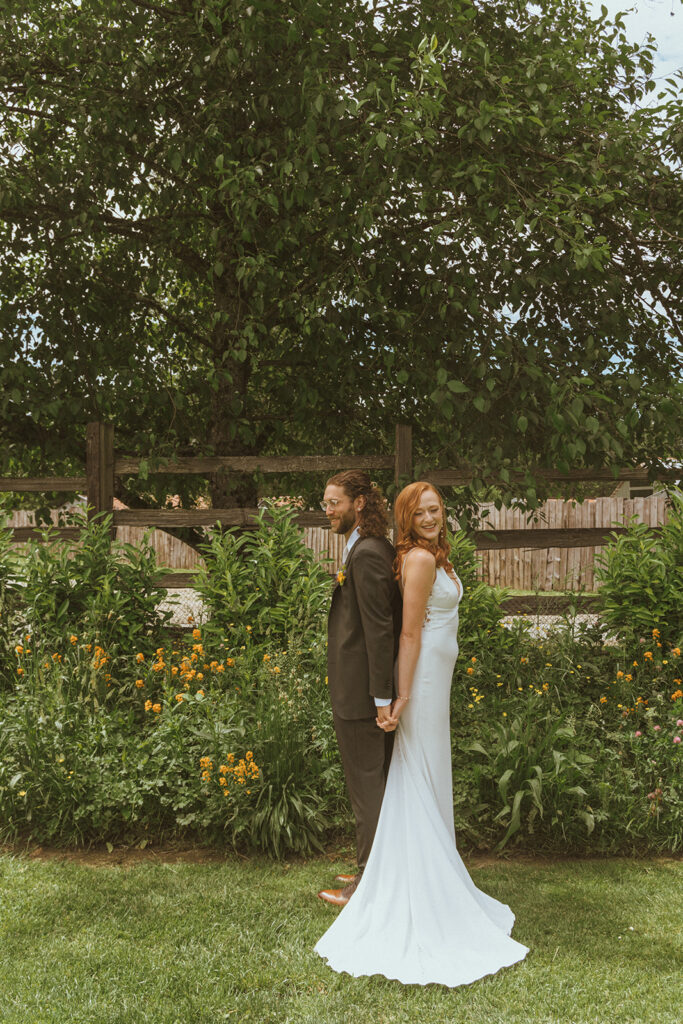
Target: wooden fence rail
[103,464]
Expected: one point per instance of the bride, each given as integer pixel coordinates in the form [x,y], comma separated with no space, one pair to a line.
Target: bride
[416,915]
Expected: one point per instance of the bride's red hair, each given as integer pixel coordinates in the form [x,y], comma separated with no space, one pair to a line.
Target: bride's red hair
[404,510]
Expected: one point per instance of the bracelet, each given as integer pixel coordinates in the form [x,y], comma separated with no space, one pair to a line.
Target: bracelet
[402,698]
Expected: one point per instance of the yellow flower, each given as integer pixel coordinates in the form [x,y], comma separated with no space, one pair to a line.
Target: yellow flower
[635,664]
[148,705]
[648,655]
[230,662]
[505,714]
[139,657]
[620,675]
[22,792]
[179,697]
[196,634]
[470,705]
[248,629]
[628,678]
[249,755]
[73,639]
[276,670]
[655,632]
[200,675]
[230,758]
[266,657]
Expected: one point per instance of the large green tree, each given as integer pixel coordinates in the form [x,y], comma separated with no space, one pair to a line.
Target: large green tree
[283,225]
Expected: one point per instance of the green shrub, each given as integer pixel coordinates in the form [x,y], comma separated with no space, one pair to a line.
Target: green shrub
[641,580]
[228,744]
[265,579]
[481,610]
[106,592]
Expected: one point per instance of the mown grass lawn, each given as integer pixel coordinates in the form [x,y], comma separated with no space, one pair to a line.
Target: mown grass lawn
[201,943]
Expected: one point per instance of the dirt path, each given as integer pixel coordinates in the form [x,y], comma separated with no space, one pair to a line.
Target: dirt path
[127,856]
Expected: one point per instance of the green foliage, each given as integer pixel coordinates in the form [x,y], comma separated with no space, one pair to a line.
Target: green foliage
[641,580]
[480,610]
[453,207]
[238,750]
[265,579]
[99,591]
[546,752]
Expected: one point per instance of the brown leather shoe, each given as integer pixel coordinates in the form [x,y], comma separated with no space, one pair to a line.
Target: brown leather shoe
[345,879]
[334,896]
[339,897]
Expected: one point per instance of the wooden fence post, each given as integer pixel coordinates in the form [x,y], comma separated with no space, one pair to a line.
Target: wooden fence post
[99,461]
[403,465]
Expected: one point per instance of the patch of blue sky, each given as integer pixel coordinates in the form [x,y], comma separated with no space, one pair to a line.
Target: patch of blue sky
[662,19]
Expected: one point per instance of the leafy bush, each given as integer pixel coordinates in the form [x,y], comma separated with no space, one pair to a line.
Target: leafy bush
[232,744]
[266,579]
[641,579]
[106,592]
[481,610]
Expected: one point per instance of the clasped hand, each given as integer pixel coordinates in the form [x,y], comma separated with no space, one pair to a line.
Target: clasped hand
[388,716]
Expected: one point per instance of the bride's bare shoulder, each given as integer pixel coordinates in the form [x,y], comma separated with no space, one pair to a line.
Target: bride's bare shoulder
[420,561]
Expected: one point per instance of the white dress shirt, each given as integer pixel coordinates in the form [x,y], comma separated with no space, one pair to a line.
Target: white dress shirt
[380,702]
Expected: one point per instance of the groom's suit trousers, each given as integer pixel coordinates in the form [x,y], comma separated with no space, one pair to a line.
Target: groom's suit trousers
[365,752]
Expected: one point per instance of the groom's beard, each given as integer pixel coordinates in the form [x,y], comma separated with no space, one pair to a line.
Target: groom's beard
[345,522]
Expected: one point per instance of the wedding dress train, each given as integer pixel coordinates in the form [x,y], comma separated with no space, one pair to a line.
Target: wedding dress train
[416,915]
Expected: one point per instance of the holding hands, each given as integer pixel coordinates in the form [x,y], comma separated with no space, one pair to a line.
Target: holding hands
[387,717]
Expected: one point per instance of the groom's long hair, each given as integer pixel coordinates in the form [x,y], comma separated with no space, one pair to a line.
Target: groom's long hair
[373,517]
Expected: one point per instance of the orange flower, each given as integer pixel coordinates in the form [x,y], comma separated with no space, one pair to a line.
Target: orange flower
[148,705]
[139,657]
[139,683]
[196,634]
[230,662]
[156,708]
[470,671]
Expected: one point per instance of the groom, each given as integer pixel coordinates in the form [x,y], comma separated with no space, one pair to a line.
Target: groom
[362,643]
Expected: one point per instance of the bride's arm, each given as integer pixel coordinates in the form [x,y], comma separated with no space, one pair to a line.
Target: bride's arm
[419,572]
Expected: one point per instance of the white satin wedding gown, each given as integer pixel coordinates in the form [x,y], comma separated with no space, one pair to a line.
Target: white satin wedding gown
[416,915]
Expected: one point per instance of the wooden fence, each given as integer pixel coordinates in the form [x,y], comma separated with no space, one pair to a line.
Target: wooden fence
[103,463]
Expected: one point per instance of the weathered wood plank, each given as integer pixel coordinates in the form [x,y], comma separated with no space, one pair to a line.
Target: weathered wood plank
[169,518]
[575,538]
[177,580]
[404,453]
[21,534]
[92,467]
[265,464]
[461,477]
[43,483]
[548,604]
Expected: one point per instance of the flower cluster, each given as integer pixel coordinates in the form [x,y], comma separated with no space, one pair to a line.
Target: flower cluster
[233,773]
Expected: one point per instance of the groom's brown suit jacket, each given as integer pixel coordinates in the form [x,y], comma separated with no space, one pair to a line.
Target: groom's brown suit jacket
[363,630]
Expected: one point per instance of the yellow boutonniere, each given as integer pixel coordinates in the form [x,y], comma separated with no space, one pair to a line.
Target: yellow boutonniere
[341,576]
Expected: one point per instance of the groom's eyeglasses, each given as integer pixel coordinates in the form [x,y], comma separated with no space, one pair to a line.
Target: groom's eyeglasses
[332,503]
